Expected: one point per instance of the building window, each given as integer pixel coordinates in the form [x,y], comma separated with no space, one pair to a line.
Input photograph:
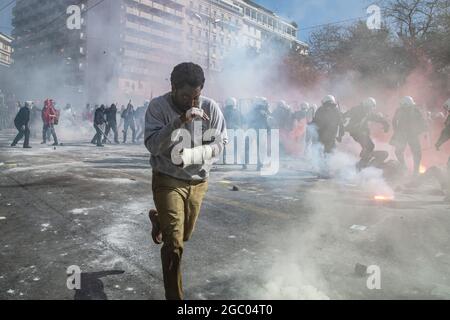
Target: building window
[247,12]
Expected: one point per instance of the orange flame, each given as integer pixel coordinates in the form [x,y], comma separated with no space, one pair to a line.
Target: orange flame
[422,169]
[383,198]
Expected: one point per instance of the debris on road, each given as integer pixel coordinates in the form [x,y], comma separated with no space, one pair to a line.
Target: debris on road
[358,227]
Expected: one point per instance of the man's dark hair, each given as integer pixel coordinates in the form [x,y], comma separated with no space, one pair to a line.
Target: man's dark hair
[188,73]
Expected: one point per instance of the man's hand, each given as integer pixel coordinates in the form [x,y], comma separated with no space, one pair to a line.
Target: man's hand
[194,113]
[438,147]
[339,139]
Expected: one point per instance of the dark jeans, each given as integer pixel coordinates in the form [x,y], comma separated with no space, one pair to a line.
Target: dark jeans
[132,126]
[49,128]
[98,136]
[111,126]
[24,131]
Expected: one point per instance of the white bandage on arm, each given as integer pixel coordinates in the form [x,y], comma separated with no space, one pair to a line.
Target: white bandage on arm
[197,156]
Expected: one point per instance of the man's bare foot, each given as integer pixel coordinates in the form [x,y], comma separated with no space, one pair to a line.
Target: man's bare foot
[156,229]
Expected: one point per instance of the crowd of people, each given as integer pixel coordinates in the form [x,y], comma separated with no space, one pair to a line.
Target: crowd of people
[32,122]
[325,126]
[105,122]
[309,125]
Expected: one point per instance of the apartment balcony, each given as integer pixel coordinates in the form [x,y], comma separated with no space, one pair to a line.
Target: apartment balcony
[143,44]
[155,22]
[166,10]
[151,34]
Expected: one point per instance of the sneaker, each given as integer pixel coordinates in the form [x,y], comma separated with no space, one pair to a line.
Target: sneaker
[27,147]
[156,228]
[43,142]
[100,146]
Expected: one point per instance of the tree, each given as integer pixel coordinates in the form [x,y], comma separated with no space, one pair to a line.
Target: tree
[413,19]
[324,47]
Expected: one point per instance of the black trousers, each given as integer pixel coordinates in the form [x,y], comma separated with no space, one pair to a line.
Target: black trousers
[98,136]
[132,126]
[111,126]
[24,131]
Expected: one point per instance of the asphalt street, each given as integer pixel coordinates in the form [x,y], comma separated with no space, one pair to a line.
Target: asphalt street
[288,236]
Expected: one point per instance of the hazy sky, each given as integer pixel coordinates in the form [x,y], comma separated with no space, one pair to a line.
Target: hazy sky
[309,13]
[305,12]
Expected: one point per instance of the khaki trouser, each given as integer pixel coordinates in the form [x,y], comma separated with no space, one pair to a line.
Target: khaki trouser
[178,204]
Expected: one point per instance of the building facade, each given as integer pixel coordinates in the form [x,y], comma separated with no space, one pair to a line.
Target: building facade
[5,51]
[47,54]
[127,48]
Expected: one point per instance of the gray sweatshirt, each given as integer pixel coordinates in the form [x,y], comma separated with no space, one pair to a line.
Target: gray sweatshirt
[162,122]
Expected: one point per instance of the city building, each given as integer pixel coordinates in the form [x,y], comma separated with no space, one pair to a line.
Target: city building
[5,51]
[47,54]
[127,48]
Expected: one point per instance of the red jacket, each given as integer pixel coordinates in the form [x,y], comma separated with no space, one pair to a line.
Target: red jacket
[49,114]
